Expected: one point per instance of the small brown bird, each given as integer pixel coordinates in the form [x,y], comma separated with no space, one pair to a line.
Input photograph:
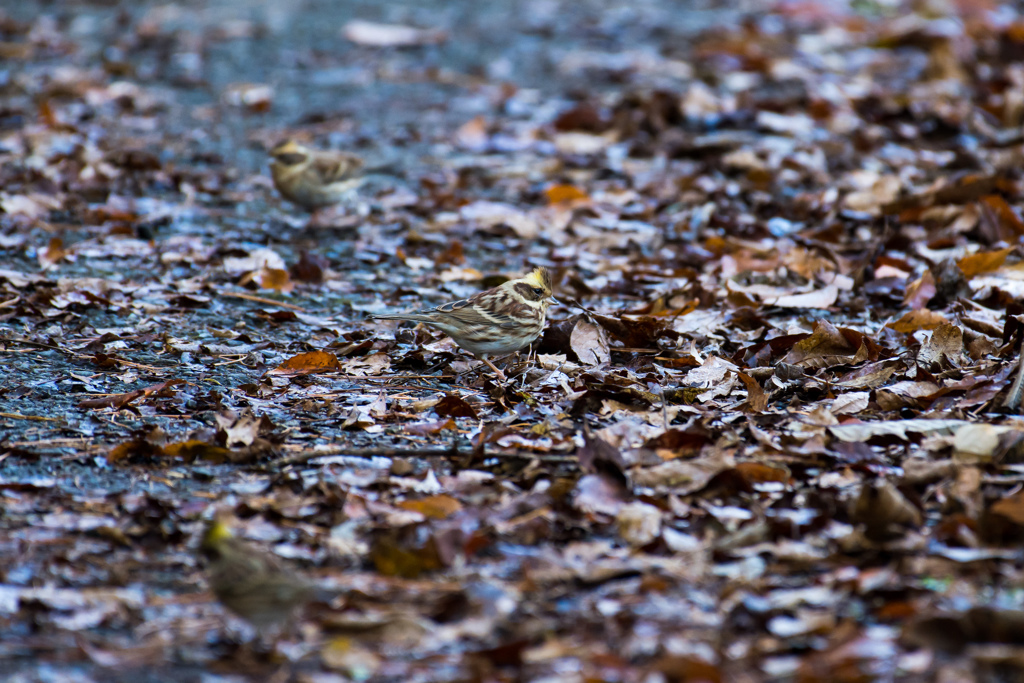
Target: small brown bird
[253,584]
[314,179]
[495,322]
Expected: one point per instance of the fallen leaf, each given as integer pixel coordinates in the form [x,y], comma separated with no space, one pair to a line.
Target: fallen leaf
[590,344]
[53,253]
[884,511]
[944,347]
[565,194]
[276,279]
[374,365]
[921,319]
[983,262]
[373,34]
[453,405]
[638,523]
[433,507]
[309,362]
[597,456]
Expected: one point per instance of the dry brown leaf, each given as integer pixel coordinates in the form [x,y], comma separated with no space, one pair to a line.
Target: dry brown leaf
[921,319]
[920,291]
[119,401]
[1010,224]
[433,507]
[870,376]
[826,346]
[884,511]
[195,449]
[367,366]
[309,362]
[597,456]
[453,405]
[394,552]
[275,279]
[944,348]
[984,262]
[760,473]
[242,429]
[851,403]
[757,400]
[53,253]
[590,343]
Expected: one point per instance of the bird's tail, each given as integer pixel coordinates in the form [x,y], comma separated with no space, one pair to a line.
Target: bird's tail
[414,317]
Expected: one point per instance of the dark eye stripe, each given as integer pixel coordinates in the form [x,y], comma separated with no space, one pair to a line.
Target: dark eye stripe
[290,158]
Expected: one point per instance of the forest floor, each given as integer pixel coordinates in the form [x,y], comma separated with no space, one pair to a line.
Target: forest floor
[772,431]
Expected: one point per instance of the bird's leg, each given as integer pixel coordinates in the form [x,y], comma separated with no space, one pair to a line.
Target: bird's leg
[499,373]
[314,219]
[526,371]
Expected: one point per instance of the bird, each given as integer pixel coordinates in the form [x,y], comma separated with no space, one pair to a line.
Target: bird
[314,179]
[493,323]
[257,586]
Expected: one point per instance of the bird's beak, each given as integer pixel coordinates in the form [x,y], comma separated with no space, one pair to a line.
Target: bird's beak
[553,300]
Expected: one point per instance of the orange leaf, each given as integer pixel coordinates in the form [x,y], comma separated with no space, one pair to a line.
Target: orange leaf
[921,319]
[195,449]
[434,507]
[984,262]
[276,279]
[563,194]
[305,363]
[53,253]
[759,473]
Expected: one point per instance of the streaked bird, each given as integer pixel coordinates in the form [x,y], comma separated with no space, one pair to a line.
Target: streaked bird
[495,322]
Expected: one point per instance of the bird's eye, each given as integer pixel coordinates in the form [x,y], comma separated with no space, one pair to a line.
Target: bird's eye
[538,291]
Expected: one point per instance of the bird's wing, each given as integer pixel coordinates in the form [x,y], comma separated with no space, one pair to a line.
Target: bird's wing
[331,169]
[466,312]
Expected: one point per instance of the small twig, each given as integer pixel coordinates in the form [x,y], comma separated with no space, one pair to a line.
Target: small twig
[82,442]
[131,364]
[34,418]
[388,378]
[575,303]
[263,300]
[41,345]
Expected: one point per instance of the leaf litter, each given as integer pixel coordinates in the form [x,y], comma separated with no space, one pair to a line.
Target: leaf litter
[773,433]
